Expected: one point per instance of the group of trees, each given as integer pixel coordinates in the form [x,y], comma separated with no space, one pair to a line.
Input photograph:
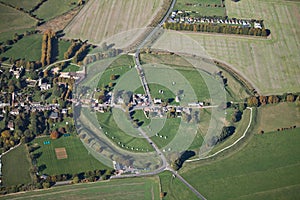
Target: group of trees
[81,53]
[48,38]
[255,101]
[217,28]
[75,45]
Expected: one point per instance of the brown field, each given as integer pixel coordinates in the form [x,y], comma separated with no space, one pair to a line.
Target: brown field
[61,153]
[282,115]
[272,65]
[101,19]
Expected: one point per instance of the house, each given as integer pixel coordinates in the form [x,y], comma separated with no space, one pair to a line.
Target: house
[257,25]
[157,101]
[15,112]
[53,115]
[45,86]
[11,125]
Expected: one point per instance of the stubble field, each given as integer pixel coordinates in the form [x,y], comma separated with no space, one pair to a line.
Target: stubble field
[273,64]
[101,19]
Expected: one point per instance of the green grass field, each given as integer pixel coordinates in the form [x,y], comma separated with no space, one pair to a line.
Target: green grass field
[125,189]
[26,5]
[117,135]
[53,8]
[166,96]
[118,67]
[140,116]
[173,188]
[204,7]
[15,167]
[79,160]
[267,167]
[282,115]
[169,130]
[28,48]
[12,20]
[178,63]
[62,48]
[71,68]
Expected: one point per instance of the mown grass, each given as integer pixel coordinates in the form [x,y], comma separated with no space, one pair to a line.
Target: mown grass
[16,167]
[269,164]
[53,8]
[125,189]
[79,159]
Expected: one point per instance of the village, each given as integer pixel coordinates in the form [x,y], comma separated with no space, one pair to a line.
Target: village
[183,16]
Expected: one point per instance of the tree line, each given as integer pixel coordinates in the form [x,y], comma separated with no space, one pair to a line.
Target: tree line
[217,28]
[256,101]
[48,38]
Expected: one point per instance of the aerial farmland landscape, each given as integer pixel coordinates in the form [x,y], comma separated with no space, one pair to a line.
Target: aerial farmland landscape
[150,99]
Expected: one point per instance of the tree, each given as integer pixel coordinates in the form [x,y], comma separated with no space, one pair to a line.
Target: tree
[75,180]
[5,134]
[252,101]
[46,185]
[54,135]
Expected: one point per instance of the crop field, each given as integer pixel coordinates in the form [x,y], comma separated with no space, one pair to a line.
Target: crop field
[118,189]
[53,8]
[271,116]
[28,48]
[12,19]
[78,159]
[272,65]
[266,168]
[203,8]
[101,19]
[15,167]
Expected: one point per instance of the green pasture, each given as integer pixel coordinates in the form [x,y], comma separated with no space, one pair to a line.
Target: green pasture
[54,8]
[26,5]
[267,167]
[16,167]
[12,19]
[173,188]
[71,68]
[116,189]
[140,116]
[111,129]
[28,48]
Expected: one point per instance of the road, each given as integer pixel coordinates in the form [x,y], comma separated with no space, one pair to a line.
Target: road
[165,164]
